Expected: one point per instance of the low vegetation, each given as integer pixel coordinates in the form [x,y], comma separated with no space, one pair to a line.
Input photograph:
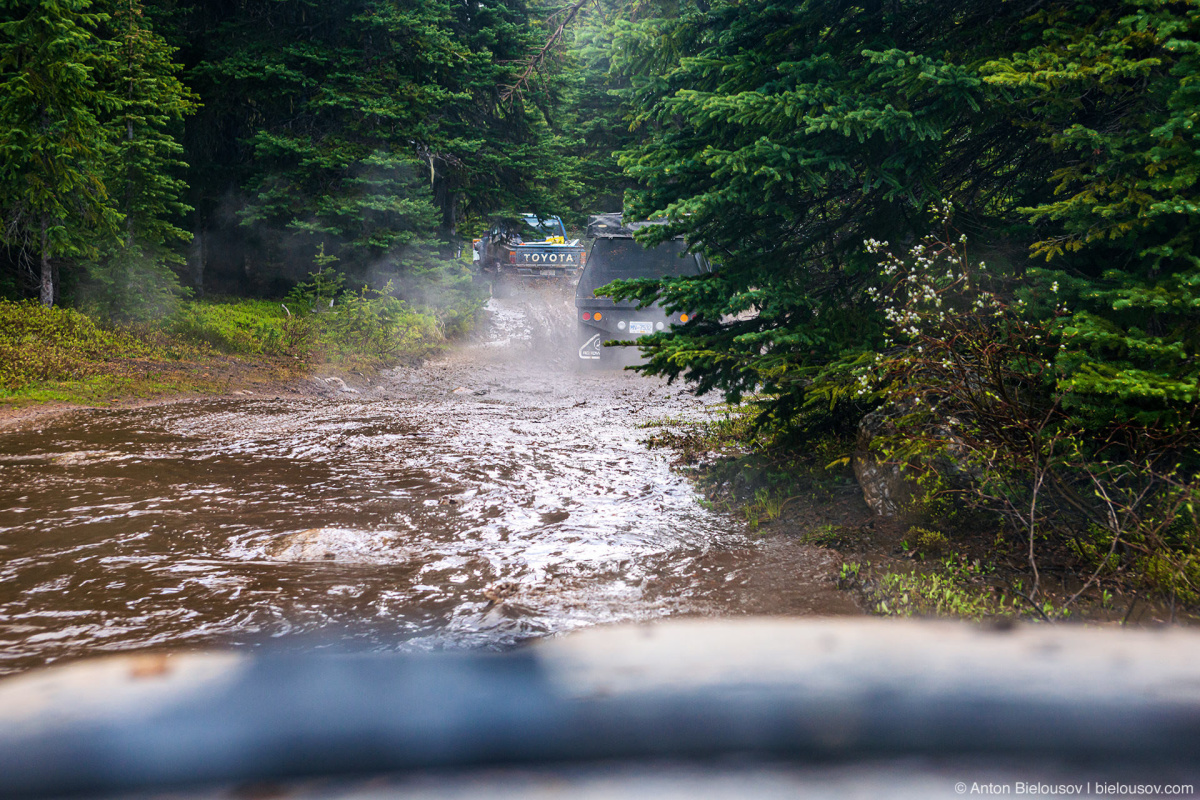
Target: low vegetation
[754,470]
[950,552]
[61,354]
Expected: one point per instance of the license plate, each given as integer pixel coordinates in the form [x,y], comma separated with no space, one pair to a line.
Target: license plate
[549,272]
[641,327]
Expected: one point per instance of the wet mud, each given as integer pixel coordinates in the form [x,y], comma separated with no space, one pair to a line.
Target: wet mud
[496,494]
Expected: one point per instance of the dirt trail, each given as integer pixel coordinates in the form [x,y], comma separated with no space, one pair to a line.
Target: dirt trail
[490,496]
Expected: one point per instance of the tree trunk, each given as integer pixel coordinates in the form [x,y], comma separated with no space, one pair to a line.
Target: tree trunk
[446,199]
[47,294]
[196,259]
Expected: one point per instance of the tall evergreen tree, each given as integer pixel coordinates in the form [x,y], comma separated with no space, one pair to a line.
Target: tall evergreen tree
[133,275]
[1112,90]
[53,141]
[371,127]
[596,122]
[778,137]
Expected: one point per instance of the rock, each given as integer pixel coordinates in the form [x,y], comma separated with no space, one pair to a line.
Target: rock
[501,591]
[340,545]
[885,487]
[340,385]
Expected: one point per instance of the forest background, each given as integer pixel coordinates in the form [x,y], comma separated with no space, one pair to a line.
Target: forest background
[970,225]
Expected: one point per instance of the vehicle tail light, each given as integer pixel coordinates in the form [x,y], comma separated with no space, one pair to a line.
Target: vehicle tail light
[583,258]
[684,317]
[597,316]
[512,257]
[587,317]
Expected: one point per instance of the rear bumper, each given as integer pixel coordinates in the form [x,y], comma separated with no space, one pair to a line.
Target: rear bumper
[626,323]
[530,273]
[617,324]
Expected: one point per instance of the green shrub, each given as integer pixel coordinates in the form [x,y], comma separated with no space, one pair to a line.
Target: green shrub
[236,326]
[904,595]
[42,344]
[131,285]
[933,543]
[376,325]
[1174,574]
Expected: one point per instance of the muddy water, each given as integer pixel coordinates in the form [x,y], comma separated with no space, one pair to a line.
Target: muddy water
[494,495]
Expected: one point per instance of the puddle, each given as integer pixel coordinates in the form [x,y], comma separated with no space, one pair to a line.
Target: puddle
[408,516]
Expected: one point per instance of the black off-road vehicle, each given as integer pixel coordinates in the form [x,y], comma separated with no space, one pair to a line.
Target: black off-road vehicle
[615,255]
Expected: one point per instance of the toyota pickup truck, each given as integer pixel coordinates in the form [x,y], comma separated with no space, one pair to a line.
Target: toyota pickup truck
[526,247]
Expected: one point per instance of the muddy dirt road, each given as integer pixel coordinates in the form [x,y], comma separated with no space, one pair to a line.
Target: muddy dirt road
[490,496]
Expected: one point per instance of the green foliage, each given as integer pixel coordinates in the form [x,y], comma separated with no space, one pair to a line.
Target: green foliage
[53,139]
[367,128]
[594,121]
[982,416]
[781,138]
[317,294]
[927,542]
[54,353]
[90,176]
[377,325]
[956,588]
[39,344]
[335,104]
[778,138]
[1122,225]
[131,284]
[931,595]
[848,574]
[451,295]
[367,327]
[371,128]
[1175,577]
[823,536]
[132,279]
[243,327]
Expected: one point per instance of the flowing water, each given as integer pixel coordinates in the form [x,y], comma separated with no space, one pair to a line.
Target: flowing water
[491,496]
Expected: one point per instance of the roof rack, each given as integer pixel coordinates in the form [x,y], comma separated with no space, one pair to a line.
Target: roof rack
[614,226]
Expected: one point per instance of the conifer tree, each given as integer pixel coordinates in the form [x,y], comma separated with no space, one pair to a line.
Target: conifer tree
[1112,90]
[596,122]
[778,137]
[371,127]
[133,274]
[53,141]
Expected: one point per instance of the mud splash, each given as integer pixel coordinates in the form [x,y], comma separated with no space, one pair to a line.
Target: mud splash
[480,500]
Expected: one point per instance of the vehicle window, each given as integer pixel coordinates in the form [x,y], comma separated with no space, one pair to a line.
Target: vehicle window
[535,229]
[613,259]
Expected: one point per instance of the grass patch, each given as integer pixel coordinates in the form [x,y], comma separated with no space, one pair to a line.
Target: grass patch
[63,355]
[954,587]
[39,345]
[243,327]
[98,389]
[359,330]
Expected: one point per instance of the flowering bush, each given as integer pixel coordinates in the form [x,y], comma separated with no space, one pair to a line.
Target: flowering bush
[977,385]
